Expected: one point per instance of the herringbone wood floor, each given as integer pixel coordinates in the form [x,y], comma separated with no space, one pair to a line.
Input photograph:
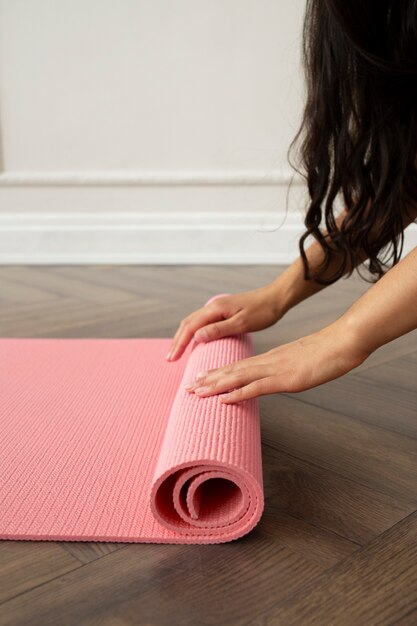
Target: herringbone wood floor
[337,544]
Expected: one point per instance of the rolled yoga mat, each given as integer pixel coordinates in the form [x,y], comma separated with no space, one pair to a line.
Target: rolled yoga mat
[99,441]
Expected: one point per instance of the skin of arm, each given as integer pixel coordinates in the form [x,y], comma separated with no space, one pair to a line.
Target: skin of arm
[251,310]
[299,365]
[257,309]
[386,311]
[291,285]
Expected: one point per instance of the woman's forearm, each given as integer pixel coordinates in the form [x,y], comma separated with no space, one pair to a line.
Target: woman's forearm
[292,288]
[387,310]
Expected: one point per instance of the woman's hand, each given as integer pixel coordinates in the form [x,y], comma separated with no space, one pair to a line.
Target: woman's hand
[229,315]
[293,367]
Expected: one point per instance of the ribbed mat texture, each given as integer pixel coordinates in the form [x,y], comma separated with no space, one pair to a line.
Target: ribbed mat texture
[99,441]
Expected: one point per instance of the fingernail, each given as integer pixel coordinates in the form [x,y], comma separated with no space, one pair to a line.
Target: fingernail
[225,396]
[168,356]
[201,375]
[189,386]
[200,390]
[201,335]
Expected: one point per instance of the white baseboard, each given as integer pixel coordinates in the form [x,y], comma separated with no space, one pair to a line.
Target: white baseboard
[148,238]
[74,217]
[167,216]
[153,238]
[126,178]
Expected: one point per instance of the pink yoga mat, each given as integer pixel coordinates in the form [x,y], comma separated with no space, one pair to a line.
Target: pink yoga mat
[99,441]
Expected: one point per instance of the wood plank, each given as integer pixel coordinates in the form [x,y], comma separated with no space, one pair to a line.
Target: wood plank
[371,397]
[87,551]
[72,318]
[325,500]
[27,564]
[411,357]
[25,292]
[382,460]
[377,585]
[340,469]
[53,282]
[301,537]
[162,584]
[396,374]
[401,347]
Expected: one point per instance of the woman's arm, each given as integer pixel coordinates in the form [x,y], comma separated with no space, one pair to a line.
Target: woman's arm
[386,311]
[251,310]
[291,286]
[257,309]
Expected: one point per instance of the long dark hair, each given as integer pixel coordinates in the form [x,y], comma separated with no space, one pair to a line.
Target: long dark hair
[358,137]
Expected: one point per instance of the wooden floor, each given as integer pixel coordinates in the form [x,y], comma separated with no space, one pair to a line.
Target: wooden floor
[337,544]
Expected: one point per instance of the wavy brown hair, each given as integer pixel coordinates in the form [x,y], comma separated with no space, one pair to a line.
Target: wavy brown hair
[358,136]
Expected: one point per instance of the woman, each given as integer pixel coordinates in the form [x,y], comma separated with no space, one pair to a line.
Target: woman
[358,143]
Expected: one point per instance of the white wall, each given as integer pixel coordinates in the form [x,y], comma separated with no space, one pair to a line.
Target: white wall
[148,130]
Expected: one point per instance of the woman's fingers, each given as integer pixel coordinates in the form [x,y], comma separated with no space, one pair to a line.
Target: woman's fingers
[249,378]
[217,330]
[226,379]
[186,330]
[256,388]
[290,368]
[211,376]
